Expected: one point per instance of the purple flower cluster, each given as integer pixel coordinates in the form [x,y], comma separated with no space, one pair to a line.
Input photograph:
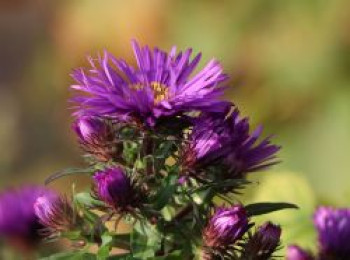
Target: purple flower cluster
[333,228]
[150,133]
[156,94]
[160,86]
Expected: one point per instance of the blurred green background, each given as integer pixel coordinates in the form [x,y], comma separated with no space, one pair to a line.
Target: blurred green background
[290,67]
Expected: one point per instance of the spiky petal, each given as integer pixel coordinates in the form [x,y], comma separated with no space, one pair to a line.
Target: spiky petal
[160,86]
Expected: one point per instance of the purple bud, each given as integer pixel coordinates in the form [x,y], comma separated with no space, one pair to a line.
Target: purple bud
[226,226]
[333,226]
[98,137]
[54,213]
[88,128]
[114,187]
[263,243]
[269,233]
[296,253]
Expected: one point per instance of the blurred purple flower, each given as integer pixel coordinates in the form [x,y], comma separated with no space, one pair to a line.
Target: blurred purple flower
[263,243]
[296,253]
[225,139]
[18,221]
[226,226]
[114,187]
[160,86]
[333,226]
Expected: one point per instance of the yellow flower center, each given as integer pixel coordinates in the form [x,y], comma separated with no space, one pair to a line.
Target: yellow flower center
[160,91]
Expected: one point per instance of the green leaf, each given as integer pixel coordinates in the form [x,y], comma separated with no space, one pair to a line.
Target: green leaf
[126,256]
[105,247]
[121,241]
[176,255]
[164,150]
[67,172]
[165,193]
[86,199]
[145,240]
[72,235]
[78,255]
[267,207]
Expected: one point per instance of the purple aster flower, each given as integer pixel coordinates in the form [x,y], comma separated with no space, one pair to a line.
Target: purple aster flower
[160,86]
[225,139]
[115,188]
[225,227]
[99,137]
[54,213]
[263,243]
[296,253]
[333,226]
[18,221]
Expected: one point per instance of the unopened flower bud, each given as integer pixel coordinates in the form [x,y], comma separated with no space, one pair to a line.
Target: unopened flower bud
[98,137]
[114,187]
[226,226]
[263,243]
[54,213]
[88,128]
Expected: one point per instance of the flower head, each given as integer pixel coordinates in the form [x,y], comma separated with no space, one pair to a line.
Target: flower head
[115,188]
[54,213]
[225,139]
[263,243]
[333,226]
[296,253]
[160,86]
[225,227]
[98,137]
[18,220]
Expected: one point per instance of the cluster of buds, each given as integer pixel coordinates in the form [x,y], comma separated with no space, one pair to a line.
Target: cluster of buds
[226,230]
